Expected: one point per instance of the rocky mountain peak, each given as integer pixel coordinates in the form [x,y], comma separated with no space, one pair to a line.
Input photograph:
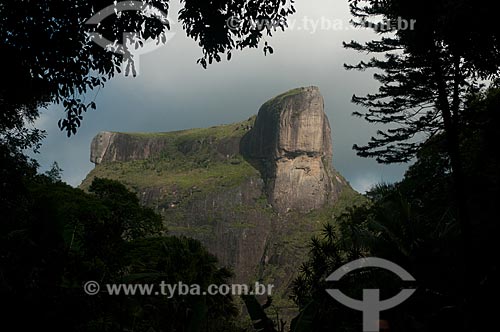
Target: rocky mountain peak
[231,186]
[291,145]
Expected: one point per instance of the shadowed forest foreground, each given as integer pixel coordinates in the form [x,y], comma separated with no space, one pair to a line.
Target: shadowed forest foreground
[438,104]
[55,238]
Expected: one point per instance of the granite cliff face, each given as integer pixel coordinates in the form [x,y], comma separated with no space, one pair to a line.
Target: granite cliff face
[108,146]
[121,147]
[291,145]
[252,192]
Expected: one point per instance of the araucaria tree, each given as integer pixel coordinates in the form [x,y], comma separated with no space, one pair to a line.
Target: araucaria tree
[432,55]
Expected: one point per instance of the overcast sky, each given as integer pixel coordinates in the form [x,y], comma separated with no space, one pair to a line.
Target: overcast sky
[172,92]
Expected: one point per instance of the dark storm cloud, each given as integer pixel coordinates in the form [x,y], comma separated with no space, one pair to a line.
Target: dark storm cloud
[172,92]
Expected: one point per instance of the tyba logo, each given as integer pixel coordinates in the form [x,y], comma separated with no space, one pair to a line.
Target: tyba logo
[371,305]
[131,40]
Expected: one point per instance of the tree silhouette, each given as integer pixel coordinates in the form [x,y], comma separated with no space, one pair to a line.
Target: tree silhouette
[48,55]
[427,74]
[54,238]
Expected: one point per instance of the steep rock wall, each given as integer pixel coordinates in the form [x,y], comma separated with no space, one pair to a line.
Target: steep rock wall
[240,189]
[291,145]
